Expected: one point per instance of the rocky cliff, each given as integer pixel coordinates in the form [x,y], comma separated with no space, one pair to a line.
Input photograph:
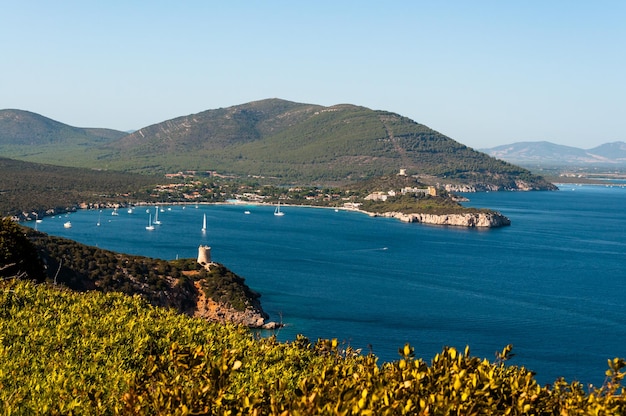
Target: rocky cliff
[516,185]
[206,308]
[470,219]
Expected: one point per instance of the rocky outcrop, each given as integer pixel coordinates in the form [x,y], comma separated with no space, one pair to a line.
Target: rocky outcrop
[253,316]
[470,219]
[516,185]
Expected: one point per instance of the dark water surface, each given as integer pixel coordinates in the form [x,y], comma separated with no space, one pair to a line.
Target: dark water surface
[552,284]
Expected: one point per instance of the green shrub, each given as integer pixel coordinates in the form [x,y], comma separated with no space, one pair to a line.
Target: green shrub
[18,256]
[92,353]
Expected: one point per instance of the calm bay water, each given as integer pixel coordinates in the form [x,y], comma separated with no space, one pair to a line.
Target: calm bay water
[552,284]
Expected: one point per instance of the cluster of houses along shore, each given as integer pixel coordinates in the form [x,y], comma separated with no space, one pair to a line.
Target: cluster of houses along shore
[382,196]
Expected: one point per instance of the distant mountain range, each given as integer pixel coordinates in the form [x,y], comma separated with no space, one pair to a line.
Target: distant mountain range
[550,154]
[292,142]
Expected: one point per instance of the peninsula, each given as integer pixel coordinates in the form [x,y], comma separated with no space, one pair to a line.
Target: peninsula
[195,287]
[469,219]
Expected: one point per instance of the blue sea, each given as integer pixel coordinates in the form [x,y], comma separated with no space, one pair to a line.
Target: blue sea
[553,284]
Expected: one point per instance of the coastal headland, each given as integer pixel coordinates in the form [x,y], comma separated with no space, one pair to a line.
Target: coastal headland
[470,219]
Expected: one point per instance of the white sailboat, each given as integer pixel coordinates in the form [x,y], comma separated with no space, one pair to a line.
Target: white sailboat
[37,220]
[150,227]
[204,224]
[67,225]
[115,212]
[156,217]
[277,211]
[99,215]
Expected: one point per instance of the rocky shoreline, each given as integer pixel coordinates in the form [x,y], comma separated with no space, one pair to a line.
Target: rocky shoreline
[252,317]
[470,219]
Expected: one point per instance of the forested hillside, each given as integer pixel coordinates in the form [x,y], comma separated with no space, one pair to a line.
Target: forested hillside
[176,284]
[291,142]
[312,144]
[34,187]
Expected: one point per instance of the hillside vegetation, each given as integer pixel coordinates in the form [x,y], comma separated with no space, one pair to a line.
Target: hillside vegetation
[293,142]
[29,136]
[310,144]
[38,187]
[93,353]
[30,191]
[18,127]
[173,284]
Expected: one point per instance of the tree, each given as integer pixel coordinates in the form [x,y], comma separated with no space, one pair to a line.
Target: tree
[18,256]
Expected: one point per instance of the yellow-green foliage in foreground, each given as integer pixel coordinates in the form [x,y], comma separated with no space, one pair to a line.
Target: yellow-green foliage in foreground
[94,353]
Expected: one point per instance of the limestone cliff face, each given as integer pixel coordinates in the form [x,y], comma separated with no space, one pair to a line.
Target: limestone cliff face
[473,219]
[206,308]
[516,185]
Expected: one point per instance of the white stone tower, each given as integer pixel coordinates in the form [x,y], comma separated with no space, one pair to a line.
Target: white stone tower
[204,256]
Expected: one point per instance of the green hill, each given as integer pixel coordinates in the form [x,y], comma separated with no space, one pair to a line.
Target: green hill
[298,143]
[20,127]
[312,144]
[29,136]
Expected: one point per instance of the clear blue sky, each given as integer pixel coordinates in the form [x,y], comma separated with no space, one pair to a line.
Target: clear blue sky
[484,73]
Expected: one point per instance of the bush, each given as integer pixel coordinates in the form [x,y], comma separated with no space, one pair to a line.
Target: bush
[92,353]
[18,256]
